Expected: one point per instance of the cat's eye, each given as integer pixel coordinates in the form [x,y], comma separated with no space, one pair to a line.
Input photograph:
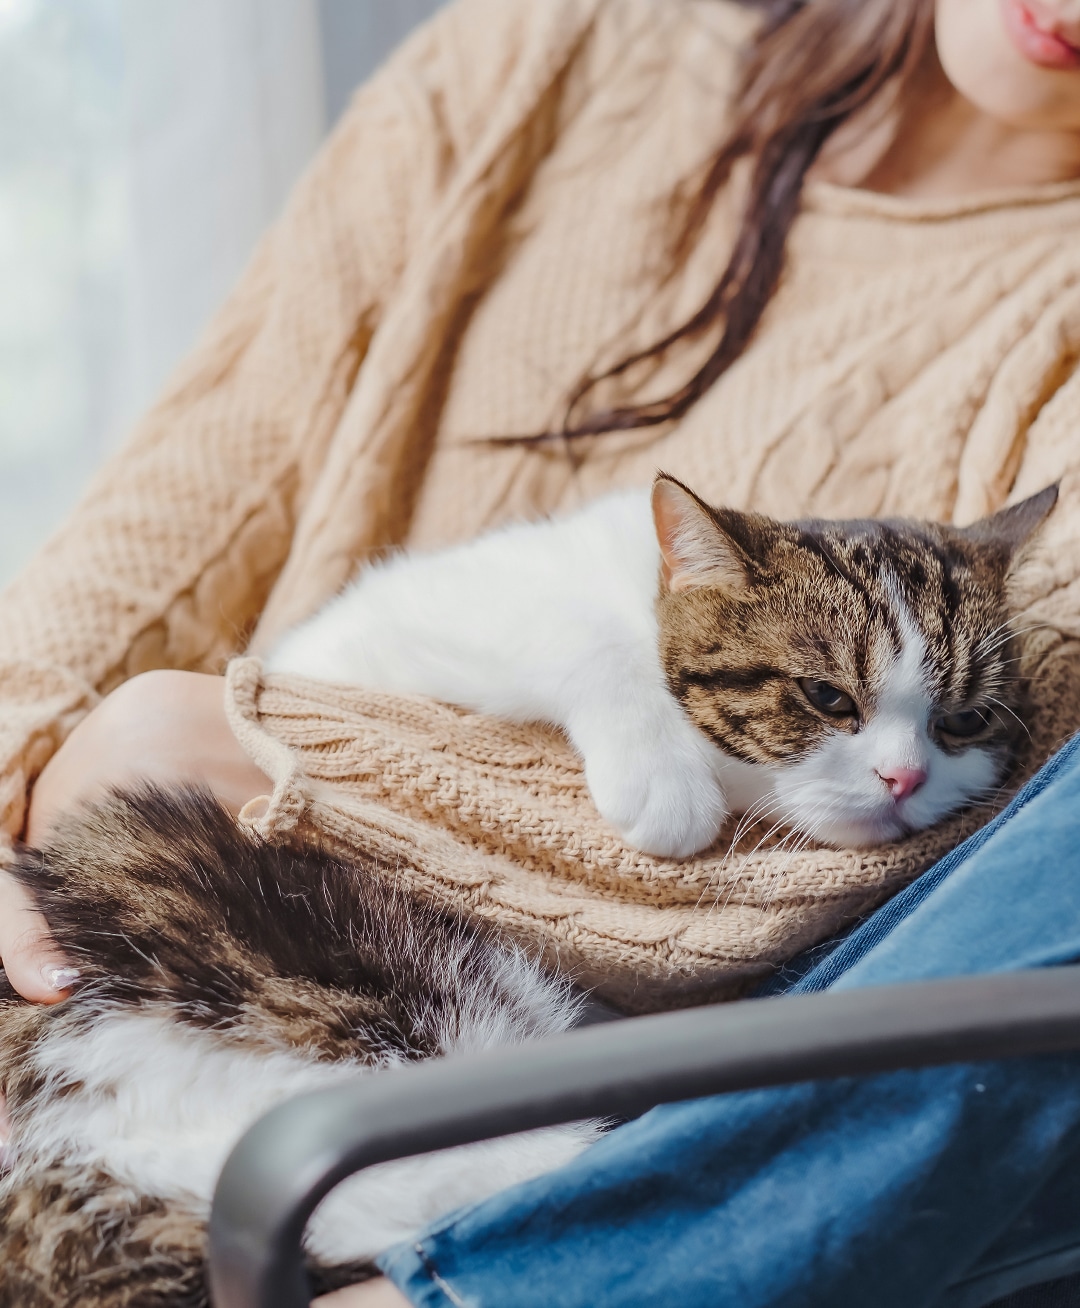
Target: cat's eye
[967,722]
[828,698]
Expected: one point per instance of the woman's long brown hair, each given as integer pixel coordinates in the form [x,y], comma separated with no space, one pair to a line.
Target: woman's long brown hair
[811,64]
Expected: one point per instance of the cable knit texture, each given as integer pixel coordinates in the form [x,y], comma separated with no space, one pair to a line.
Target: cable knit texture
[486,224]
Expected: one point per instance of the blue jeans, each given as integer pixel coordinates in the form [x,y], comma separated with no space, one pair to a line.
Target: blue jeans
[938,1188]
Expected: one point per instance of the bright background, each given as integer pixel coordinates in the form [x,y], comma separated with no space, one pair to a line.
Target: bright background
[144,146]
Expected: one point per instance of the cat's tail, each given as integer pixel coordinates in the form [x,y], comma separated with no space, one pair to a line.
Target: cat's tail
[218,976]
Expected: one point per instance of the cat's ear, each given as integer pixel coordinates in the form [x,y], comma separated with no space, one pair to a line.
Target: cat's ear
[1010,529]
[694,549]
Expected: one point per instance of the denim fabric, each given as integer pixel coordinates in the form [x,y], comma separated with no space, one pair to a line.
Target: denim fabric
[1051,1294]
[936,1188]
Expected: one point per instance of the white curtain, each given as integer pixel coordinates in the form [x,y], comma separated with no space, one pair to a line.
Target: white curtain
[62,243]
[224,109]
[144,146]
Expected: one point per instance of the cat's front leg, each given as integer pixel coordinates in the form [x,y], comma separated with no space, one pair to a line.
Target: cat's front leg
[651,773]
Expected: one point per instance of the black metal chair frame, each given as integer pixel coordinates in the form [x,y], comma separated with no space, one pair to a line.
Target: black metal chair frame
[289,1160]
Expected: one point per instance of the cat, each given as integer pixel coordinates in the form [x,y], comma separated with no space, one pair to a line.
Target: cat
[217,976]
[852,680]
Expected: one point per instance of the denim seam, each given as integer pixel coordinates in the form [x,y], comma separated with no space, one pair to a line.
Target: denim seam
[1016,1264]
[444,1286]
[990,1290]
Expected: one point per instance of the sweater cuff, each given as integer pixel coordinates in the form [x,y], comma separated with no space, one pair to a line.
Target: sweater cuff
[278,813]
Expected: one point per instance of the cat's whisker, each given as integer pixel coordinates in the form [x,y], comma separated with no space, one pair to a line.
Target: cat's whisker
[731,875]
[749,885]
[799,840]
[1002,635]
[1003,631]
[775,804]
[1005,663]
[761,808]
[733,881]
[779,825]
[1012,713]
[1008,626]
[797,847]
[746,820]
[776,873]
[735,875]
[990,795]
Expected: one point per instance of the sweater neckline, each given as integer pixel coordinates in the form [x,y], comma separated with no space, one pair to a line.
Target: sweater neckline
[848,201]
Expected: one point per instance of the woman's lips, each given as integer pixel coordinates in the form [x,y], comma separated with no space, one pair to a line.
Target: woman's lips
[1036,39]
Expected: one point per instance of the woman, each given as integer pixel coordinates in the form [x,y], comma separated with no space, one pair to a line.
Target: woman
[865,303]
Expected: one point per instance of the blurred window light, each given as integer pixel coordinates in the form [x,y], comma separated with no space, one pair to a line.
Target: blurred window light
[13,13]
[145,145]
[63,230]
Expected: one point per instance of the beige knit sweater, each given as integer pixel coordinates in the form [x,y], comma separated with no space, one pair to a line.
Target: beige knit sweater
[485,225]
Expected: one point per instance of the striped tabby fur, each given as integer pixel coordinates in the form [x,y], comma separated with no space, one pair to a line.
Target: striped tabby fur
[218,976]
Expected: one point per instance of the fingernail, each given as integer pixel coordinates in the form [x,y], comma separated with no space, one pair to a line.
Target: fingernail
[60,978]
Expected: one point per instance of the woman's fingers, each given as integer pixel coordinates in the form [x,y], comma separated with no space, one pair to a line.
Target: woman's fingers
[34,966]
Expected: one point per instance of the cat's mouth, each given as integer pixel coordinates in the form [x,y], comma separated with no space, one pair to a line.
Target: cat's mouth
[836,821]
[865,833]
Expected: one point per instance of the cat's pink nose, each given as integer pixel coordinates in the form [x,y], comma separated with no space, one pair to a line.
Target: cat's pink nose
[903,781]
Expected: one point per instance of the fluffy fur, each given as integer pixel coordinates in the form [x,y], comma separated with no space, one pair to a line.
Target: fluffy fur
[851,679]
[699,694]
[219,976]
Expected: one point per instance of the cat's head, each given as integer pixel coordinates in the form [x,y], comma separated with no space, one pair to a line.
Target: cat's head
[868,665]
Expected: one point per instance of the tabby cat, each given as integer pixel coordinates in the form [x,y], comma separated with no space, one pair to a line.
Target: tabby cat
[853,679]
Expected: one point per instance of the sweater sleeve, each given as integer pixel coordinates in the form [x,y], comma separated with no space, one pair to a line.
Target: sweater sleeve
[1049,583]
[173,550]
[1046,587]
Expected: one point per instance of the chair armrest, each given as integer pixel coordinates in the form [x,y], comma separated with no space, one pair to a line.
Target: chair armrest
[290,1159]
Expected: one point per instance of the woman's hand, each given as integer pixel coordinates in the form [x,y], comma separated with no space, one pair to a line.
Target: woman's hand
[34,966]
[164,728]
[379,1293]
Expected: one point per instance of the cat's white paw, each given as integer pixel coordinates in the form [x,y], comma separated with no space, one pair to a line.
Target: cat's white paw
[660,791]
